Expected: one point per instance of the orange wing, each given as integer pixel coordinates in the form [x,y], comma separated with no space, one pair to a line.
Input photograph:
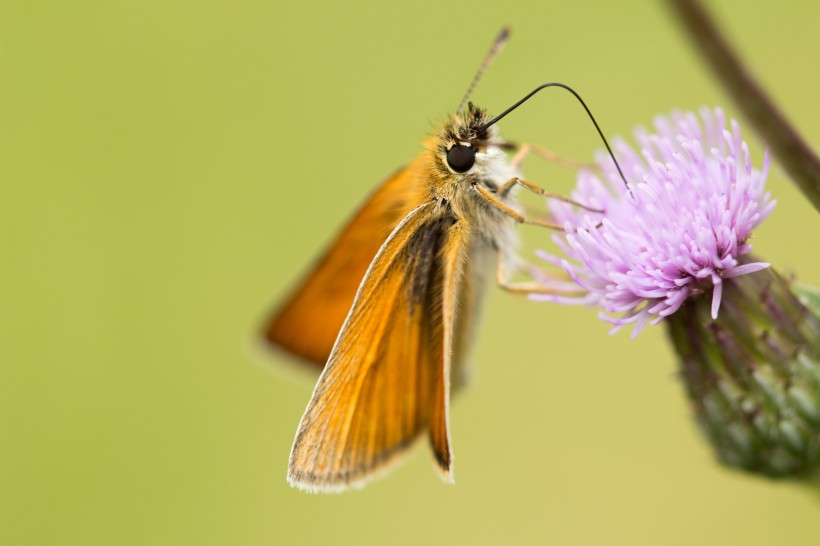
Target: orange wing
[388,376]
[308,323]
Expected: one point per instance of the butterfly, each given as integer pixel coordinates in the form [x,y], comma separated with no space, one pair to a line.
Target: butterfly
[389,310]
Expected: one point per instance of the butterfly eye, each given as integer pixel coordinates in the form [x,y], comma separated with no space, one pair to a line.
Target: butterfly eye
[461,158]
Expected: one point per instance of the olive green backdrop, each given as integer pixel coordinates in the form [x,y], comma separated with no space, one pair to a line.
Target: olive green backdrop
[168,169]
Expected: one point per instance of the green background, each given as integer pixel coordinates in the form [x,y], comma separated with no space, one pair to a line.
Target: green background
[168,169]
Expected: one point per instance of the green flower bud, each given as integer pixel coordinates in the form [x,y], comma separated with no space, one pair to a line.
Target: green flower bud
[753,374]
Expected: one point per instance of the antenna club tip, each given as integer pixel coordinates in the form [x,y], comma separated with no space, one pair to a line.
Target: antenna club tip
[504,35]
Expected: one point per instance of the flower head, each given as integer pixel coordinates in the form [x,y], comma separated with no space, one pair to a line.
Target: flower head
[679,230]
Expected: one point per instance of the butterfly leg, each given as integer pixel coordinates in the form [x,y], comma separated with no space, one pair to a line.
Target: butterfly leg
[527,149]
[497,203]
[525,288]
[512,182]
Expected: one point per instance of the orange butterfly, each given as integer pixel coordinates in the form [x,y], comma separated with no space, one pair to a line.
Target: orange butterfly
[389,309]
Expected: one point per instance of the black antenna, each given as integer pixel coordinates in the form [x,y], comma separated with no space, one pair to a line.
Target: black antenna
[577,96]
[496,48]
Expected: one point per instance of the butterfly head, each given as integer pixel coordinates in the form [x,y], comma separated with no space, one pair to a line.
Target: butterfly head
[463,140]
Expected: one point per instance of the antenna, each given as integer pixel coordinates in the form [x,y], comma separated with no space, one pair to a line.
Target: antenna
[577,96]
[496,48]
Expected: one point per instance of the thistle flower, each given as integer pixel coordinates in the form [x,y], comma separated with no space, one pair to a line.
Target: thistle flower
[679,231]
[675,247]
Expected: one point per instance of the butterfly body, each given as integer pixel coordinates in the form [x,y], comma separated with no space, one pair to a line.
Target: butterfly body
[422,248]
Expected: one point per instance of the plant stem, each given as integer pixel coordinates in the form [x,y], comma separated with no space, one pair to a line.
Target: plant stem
[799,161]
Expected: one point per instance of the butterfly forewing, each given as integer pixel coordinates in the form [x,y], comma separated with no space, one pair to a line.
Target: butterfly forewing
[308,323]
[387,379]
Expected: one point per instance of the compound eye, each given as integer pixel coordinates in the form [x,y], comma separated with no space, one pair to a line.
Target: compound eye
[461,158]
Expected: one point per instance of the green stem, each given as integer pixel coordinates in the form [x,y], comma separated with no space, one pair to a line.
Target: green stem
[799,161]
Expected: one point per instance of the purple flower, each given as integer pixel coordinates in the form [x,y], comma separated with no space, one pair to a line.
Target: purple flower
[680,231]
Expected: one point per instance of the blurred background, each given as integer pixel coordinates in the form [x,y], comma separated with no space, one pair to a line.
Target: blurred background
[169,169]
